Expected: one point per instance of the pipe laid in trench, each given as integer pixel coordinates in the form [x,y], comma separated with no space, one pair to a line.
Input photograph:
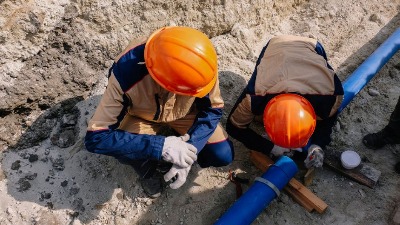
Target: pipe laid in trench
[369,68]
[265,188]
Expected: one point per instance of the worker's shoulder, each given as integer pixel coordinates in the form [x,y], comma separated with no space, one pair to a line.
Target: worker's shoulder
[292,38]
[129,67]
[133,44]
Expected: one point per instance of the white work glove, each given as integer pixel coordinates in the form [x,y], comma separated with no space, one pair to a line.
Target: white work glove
[178,152]
[315,157]
[279,151]
[179,173]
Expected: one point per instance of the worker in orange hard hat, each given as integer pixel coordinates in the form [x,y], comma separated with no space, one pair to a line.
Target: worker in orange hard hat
[297,93]
[169,79]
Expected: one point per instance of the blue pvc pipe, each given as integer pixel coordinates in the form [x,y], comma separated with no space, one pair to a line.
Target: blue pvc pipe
[246,209]
[367,70]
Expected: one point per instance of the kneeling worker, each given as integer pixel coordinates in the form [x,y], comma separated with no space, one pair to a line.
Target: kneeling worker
[170,79]
[297,93]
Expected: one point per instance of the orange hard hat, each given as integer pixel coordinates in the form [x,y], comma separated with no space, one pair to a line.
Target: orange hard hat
[289,120]
[182,60]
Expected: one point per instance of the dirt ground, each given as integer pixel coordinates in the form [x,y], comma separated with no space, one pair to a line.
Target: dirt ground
[47,177]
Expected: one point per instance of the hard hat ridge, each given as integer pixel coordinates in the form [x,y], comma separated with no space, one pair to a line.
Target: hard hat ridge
[182,60]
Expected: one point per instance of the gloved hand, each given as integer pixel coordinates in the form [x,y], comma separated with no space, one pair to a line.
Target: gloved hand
[315,157]
[279,151]
[178,152]
[179,173]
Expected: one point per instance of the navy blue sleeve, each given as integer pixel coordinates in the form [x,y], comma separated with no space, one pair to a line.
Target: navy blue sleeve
[205,123]
[122,144]
[321,51]
[251,139]
[118,143]
[323,130]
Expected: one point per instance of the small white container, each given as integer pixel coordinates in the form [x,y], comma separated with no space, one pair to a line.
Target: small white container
[350,159]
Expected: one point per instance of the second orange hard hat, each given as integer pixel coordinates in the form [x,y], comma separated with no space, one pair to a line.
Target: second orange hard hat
[182,60]
[289,120]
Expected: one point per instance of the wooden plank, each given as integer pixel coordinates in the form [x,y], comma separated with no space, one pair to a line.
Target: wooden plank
[296,196]
[318,204]
[363,174]
[295,189]
[260,160]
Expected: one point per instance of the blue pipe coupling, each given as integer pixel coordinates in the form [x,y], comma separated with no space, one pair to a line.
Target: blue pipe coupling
[265,188]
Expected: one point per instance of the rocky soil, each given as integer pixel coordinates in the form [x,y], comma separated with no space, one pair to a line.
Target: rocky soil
[55,57]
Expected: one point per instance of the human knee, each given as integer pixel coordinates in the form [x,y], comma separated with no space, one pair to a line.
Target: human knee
[217,154]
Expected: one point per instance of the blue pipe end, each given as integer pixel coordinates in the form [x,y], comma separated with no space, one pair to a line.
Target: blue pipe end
[287,165]
[246,209]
